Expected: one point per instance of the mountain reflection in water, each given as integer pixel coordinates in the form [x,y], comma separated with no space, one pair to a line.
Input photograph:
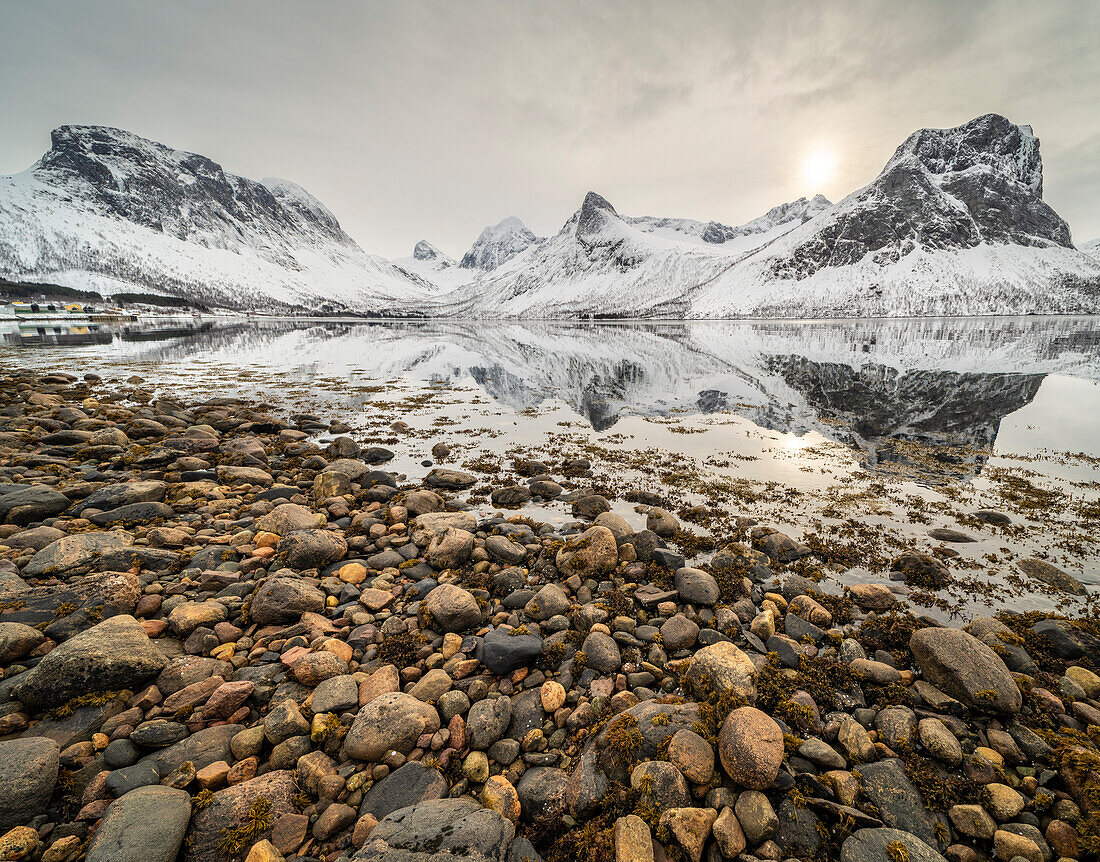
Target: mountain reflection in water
[880,386]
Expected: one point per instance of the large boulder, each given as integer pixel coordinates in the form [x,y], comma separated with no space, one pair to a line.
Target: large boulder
[312,549]
[392,721]
[24,504]
[451,609]
[114,654]
[28,771]
[125,494]
[239,816]
[284,599]
[592,554]
[408,785]
[75,554]
[882,845]
[450,549]
[504,650]
[144,825]
[965,668]
[289,518]
[750,745]
[721,668]
[444,830]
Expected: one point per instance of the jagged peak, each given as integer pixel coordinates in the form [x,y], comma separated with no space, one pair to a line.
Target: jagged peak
[424,250]
[991,140]
[498,243]
[593,216]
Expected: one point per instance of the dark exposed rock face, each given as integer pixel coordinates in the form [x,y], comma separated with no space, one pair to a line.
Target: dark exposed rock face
[497,244]
[182,194]
[981,182]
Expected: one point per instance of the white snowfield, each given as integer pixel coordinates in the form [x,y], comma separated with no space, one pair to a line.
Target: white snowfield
[110,211]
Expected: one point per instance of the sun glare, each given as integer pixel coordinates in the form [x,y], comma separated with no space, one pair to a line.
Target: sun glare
[818,168]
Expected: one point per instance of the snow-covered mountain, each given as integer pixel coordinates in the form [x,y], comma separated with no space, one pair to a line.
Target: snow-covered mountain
[498,243]
[954,225]
[603,264]
[107,210]
[716,233]
[1092,248]
[434,266]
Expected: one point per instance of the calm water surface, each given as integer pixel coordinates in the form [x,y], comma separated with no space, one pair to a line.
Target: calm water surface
[903,424]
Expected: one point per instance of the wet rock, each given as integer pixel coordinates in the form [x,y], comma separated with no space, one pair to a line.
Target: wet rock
[35,539]
[541,792]
[901,804]
[145,825]
[312,549]
[692,755]
[487,721]
[945,534]
[601,652]
[258,803]
[452,480]
[17,640]
[965,668]
[922,570]
[450,549]
[880,845]
[444,830]
[757,817]
[25,504]
[336,694]
[1043,571]
[633,843]
[114,654]
[411,784]
[750,745]
[503,652]
[691,827]
[74,554]
[393,721]
[287,518]
[721,668]
[452,609]
[697,587]
[550,601]
[873,597]
[28,772]
[283,599]
[593,554]
[661,785]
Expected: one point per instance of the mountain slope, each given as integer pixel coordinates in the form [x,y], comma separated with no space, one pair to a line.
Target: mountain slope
[108,210]
[608,265]
[954,224]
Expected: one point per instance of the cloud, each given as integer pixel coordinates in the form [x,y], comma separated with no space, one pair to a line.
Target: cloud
[430,118]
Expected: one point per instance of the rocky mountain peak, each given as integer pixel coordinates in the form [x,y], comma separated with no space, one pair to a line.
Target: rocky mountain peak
[497,244]
[175,192]
[988,142]
[593,216]
[424,250]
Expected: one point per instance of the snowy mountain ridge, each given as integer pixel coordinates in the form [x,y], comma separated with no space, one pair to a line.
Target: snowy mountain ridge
[107,210]
[955,224]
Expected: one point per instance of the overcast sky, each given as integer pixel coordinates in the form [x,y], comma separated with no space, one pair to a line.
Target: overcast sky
[420,119]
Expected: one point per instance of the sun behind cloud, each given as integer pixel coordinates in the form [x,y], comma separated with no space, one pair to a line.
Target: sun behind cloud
[818,168]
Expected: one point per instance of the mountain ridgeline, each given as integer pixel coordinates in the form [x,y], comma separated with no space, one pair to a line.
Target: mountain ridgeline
[955,224]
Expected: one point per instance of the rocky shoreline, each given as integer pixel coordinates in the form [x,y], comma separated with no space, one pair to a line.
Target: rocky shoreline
[221,639]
